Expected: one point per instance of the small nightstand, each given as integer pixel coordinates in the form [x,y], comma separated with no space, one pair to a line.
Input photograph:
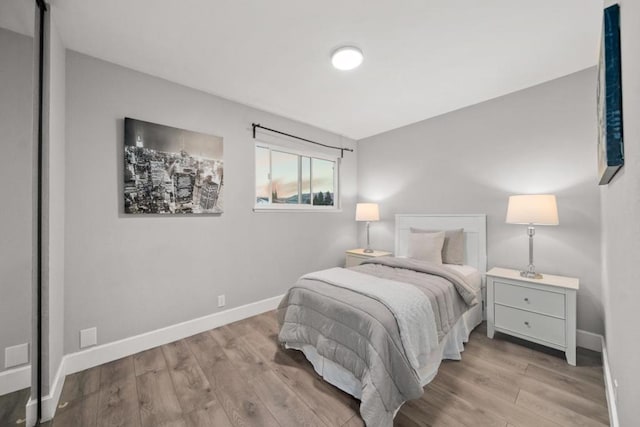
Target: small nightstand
[356,256]
[538,310]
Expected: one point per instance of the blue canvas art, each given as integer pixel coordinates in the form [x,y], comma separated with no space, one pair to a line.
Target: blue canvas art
[610,142]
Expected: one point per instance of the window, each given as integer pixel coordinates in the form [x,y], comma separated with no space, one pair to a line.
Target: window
[286,179]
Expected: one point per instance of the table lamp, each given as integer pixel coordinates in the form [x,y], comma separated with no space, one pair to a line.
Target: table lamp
[532,209]
[367,212]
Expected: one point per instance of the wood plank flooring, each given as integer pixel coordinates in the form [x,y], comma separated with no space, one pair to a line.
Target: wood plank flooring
[237,375]
[12,407]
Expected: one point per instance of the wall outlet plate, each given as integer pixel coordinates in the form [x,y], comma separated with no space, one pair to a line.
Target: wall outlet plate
[16,355]
[88,337]
[221,301]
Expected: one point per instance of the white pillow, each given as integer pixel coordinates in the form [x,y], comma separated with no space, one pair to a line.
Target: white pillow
[426,246]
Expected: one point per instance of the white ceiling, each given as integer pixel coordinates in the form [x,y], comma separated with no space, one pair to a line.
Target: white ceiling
[422,57]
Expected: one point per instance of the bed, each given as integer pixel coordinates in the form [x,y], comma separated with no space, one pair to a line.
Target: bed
[379,331]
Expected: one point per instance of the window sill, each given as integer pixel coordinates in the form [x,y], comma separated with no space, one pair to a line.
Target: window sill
[306,210]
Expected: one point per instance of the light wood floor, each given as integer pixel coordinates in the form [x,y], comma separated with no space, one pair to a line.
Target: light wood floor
[238,376]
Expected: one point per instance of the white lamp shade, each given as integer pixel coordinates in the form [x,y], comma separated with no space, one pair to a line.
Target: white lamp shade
[539,209]
[367,212]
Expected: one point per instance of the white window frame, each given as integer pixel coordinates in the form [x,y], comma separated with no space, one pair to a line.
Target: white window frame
[279,207]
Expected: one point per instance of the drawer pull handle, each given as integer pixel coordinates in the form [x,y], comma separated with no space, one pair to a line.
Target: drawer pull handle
[526,323]
[526,299]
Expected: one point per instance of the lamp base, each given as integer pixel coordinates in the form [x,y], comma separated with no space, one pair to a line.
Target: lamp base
[530,275]
[368,251]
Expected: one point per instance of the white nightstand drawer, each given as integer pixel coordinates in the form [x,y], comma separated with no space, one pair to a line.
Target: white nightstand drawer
[549,329]
[353,260]
[542,310]
[550,303]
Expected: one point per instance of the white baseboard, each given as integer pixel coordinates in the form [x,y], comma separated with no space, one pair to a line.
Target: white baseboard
[94,356]
[15,379]
[50,401]
[610,391]
[589,340]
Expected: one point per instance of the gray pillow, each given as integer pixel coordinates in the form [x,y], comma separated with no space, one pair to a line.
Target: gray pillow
[453,248]
[426,246]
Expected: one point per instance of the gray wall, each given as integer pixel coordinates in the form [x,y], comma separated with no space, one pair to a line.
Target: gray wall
[16,102]
[131,274]
[539,140]
[621,233]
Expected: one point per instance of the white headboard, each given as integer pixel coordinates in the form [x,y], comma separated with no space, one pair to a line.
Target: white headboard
[475,233]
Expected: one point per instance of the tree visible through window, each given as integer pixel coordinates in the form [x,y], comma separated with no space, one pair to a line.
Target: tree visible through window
[291,180]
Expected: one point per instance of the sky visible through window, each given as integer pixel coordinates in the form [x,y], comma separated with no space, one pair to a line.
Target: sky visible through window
[315,175]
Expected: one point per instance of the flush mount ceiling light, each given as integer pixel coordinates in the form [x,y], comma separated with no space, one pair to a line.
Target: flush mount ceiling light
[346,58]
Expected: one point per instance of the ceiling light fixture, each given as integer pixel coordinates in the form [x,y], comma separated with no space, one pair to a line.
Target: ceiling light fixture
[346,58]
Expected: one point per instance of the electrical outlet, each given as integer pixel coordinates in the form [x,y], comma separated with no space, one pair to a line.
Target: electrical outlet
[615,390]
[88,337]
[221,301]
[16,355]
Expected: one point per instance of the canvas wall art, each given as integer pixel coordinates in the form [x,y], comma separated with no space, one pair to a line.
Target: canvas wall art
[171,171]
[610,142]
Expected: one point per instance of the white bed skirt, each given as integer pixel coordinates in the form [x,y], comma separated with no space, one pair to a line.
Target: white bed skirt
[451,347]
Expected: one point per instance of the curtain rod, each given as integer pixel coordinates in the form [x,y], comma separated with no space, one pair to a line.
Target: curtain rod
[258,125]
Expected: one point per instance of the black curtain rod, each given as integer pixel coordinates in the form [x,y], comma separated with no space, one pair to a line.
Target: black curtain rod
[258,125]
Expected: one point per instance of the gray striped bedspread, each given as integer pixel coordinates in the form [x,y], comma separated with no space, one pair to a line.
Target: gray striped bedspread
[361,333]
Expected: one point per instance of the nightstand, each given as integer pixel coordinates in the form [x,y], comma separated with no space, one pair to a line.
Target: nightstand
[356,256]
[538,310]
